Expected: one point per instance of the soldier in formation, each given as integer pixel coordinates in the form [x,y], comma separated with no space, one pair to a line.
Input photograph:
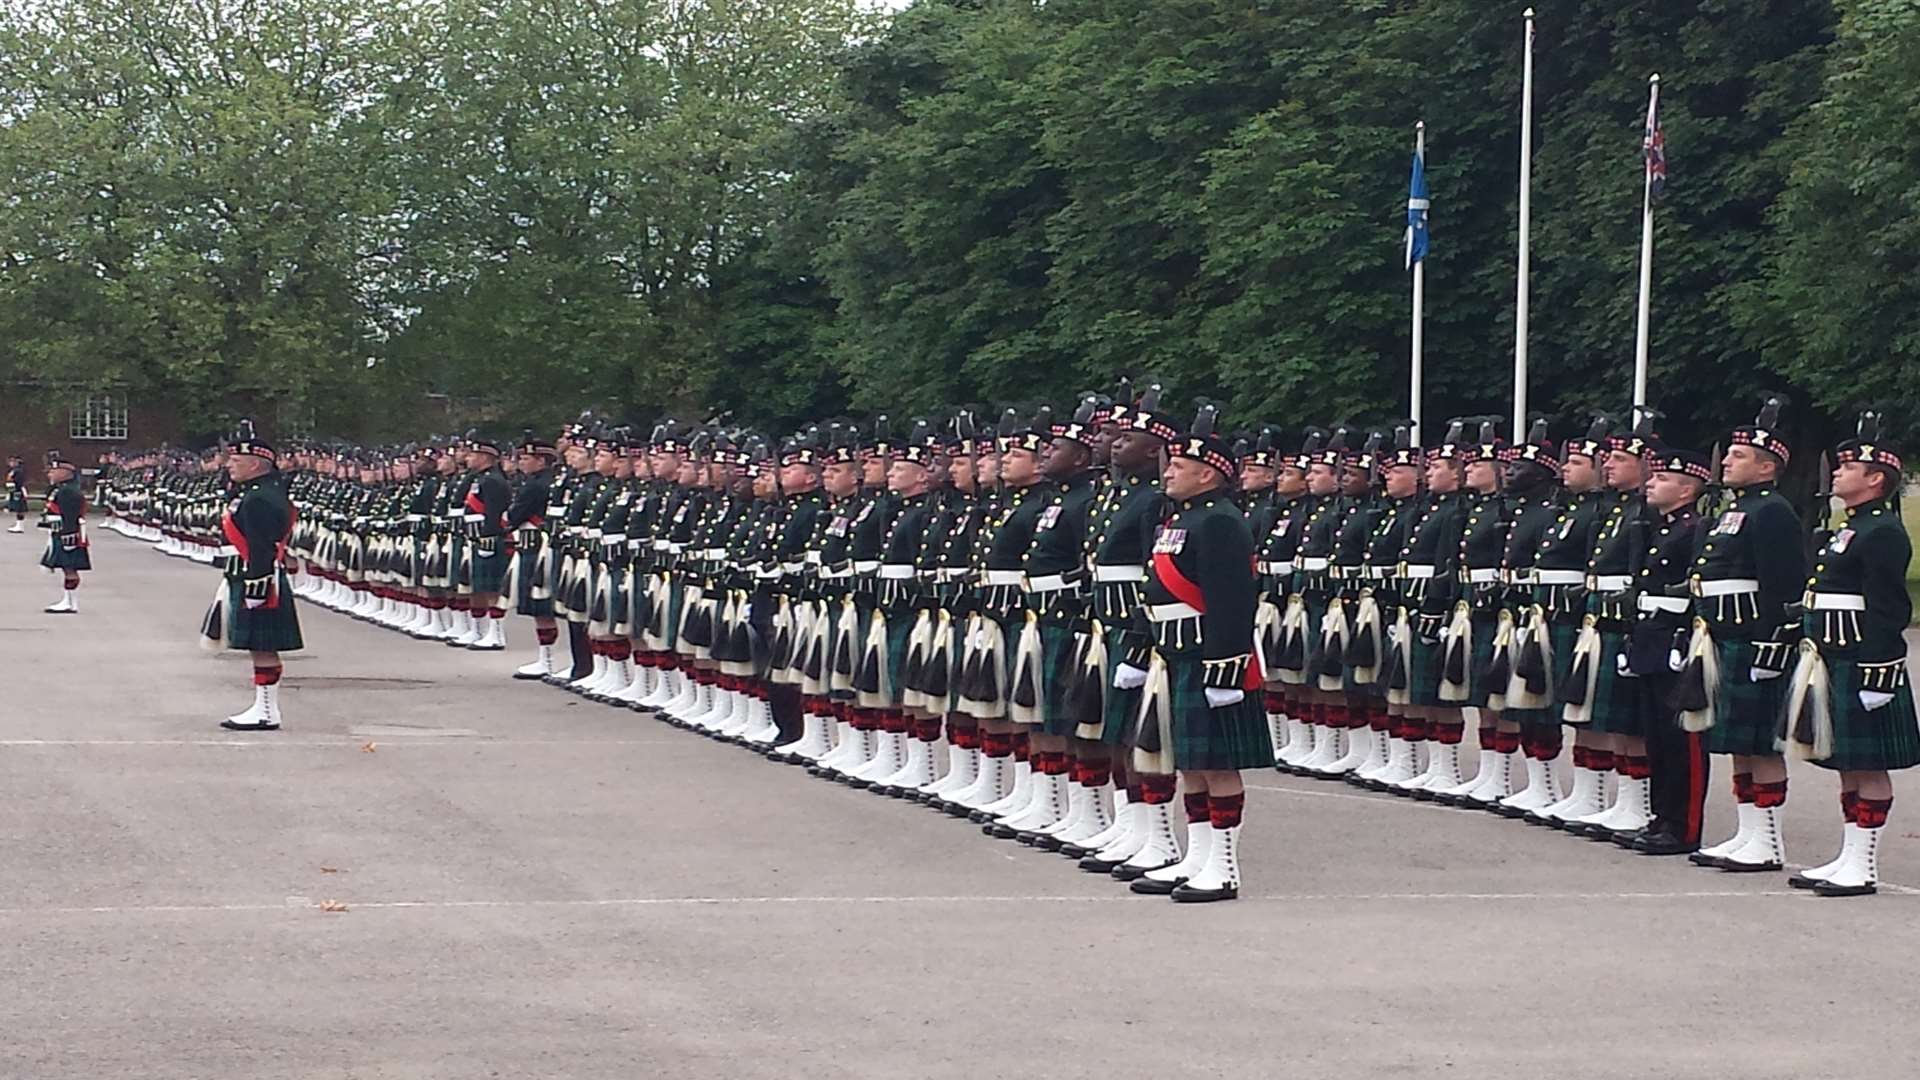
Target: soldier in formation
[1068,629]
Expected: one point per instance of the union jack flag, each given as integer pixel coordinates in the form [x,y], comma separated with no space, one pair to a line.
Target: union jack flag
[1654,149]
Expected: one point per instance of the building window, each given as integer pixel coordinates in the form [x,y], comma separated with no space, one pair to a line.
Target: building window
[102,418]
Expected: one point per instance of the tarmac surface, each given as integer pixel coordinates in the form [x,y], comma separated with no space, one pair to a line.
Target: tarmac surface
[539,886]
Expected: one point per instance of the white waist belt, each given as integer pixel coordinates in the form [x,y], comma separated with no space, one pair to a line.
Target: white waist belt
[1417,573]
[1727,587]
[1485,576]
[1379,573]
[1830,601]
[1314,564]
[714,554]
[1119,573]
[1047,583]
[1172,612]
[229,550]
[1275,569]
[1676,605]
[1559,577]
[1610,582]
[896,572]
[1004,577]
[865,566]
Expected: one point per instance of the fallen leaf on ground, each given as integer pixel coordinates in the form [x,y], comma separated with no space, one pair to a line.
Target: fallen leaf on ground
[331,870]
[333,905]
[368,749]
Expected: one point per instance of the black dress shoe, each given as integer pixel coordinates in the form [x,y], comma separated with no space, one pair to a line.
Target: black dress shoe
[1130,872]
[1732,867]
[231,726]
[1802,881]
[1097,866]
[1187,894]
[1073,851]
[1147,886]
[1506,811]
[1599,834]
[999,831]
[1630,839]
[1047,843]
[1698,858]
[1828,888]
[1424,795]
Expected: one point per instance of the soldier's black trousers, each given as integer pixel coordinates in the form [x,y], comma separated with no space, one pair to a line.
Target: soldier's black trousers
[1679,761]
[581,649]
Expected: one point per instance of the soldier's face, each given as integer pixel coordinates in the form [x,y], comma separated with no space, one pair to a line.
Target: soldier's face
[960,471]
[1256,477]
[1744,466]
[1402,481]
[1624,471]
[1579,473]
[1322,480]
[532,463]
[763,483]
[1669,491]
[478,459]
[989,469]
[1185,478]
[1442,477]
[1103,440]
[1018,466]
[1066,457]
[1354,480]
[1135,451]
[1855,482]
[799,478]
[245,467]
[842,478]
[907,478]
[873,470]
[1483,476]
[1291,481]
[576,457]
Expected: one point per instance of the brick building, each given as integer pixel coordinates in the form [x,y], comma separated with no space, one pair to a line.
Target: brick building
[35,419]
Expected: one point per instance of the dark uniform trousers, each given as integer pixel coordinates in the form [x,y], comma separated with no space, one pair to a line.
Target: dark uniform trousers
[1678,761]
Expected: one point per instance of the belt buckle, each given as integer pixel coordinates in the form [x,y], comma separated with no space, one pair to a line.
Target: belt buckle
[1593,582]
[1806,600]
[1693,587]
[1400,569]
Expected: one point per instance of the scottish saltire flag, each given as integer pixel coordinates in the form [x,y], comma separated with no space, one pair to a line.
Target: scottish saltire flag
[1654,149]
[1417,205]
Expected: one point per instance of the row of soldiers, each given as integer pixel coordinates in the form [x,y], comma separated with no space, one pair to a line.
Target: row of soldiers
[1081,610]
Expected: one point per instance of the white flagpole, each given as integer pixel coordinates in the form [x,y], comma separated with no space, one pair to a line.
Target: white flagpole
[1419,300]
[1642,339]
[1526,236]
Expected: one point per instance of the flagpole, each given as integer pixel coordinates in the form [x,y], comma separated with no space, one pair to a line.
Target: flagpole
[1643,337]
[1526,237]
[1419,300]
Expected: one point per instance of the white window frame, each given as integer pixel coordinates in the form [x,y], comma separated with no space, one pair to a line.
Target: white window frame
[101,418]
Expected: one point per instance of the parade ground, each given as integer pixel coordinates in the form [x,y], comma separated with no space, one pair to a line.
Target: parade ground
[435,871]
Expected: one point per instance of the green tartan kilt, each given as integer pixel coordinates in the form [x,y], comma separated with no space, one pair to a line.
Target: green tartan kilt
[274,629]
[1619,708]
[1564,636]
[16,502]
[456,550]
[1745,712]
[899,631]
[1485,625]
[1423,670]
[1887,738]
[490,570]
[524,603]
[1233,737]
[676,600]
[1056,663]
[57,557]
[1122,706]
[1316,604]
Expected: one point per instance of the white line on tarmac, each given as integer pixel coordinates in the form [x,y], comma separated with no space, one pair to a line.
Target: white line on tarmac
[301,903]
[424,738]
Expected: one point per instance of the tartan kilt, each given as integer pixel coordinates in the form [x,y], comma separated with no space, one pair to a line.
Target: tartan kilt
[528,574]
[1745,713]
[1316,604]
[489,569]
[1234,737]
[1123,706]
[1486,625]
[16,502]
[1423,670]
[1564,636]
[899,633]
[1618,706]
[455,557]
[60,558]
[1886,738]
[274,629]
[1058,677]
[416,561]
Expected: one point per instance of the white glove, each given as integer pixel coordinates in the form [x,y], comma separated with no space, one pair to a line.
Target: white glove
[1676,661]
[252,603]
[1874,699]
[1128,677]
[1762,674]
[1220,699]
[1622,668]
